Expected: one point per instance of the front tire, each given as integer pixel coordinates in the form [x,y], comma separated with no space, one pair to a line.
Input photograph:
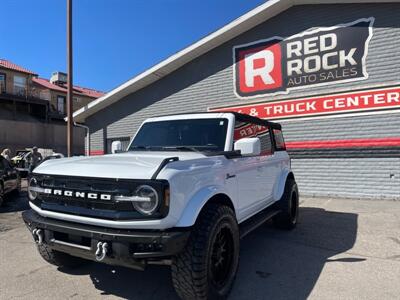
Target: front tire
[289,207]
[60,259]
[207,267]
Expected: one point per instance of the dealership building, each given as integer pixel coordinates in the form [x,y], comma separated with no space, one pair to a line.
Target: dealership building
[328,71]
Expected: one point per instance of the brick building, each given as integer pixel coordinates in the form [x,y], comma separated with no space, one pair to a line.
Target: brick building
[328,71]
[32,109]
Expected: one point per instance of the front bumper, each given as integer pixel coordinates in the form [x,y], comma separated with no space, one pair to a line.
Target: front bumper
[131,248]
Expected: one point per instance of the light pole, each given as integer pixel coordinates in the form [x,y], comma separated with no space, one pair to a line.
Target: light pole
[70,122]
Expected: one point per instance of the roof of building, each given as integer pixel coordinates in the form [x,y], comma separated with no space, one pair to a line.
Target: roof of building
[63,88]
[88,92]
[47,84]
[240,25]
[11,66]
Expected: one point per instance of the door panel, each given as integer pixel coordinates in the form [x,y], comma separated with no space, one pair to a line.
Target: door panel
[271,170]
[249,179]
[255,174]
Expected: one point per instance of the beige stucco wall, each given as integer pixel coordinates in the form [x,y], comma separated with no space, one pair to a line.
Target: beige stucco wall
[83,100]
[36,90]
[10,79]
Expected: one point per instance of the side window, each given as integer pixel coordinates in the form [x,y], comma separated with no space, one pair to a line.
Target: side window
[279,141]
[20,85]
[61,100]
[248,130]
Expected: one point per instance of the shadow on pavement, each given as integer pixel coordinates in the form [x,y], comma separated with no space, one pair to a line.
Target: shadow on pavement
[274,264]
[154,283]
[286,265]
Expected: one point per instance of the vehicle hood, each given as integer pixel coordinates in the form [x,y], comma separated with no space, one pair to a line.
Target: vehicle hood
[130,165]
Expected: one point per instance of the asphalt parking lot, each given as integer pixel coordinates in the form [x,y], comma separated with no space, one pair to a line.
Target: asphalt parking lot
[342,249]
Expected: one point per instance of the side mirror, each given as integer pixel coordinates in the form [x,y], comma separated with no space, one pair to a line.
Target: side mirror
[116,147]
[248,146]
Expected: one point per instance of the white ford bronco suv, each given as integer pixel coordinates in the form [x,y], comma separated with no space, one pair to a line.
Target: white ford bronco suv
[185,191]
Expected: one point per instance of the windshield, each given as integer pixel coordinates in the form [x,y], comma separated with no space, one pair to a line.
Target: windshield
[182,135]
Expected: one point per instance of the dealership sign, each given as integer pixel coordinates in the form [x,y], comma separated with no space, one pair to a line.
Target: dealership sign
[353,102]
[322,56]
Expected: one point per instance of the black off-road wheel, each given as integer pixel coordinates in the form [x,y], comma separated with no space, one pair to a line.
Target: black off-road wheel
[207,267]
[60,259]
[289,206]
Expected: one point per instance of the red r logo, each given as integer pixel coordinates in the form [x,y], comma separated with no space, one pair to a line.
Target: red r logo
[258,68]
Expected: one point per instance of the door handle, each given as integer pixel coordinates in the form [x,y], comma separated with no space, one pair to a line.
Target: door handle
[228,176]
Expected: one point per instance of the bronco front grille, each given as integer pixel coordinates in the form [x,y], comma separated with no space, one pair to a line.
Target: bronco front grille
[96,208]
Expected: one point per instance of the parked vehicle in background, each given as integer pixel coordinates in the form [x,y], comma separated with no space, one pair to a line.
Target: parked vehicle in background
[23,159]
[183,194]
[10,180]
[19,160]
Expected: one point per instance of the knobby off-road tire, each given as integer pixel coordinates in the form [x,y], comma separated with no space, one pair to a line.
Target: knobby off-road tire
[207,267]
[60,259]
[289,206]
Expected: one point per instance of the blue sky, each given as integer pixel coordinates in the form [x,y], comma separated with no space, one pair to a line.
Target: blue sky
[113,39]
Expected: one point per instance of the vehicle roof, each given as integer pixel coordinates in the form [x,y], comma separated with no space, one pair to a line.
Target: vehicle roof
[238,116]
[251,119]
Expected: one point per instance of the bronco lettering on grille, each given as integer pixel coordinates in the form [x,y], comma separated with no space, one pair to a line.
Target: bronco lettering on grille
[76,194]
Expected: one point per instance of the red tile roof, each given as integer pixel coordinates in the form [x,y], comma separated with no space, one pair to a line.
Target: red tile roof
[63,88]
[47,84]
[88,92]
[11,66]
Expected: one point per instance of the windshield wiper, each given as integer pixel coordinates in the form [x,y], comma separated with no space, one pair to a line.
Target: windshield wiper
[181,148]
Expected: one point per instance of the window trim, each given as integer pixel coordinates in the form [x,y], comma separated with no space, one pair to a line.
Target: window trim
[276,145]
[64,104]
[25,87]
[273,143]
[5,81]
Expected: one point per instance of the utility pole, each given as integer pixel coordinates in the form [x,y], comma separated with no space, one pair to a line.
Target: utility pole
[70,122]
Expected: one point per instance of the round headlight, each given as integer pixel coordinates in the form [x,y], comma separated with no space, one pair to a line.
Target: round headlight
[149,200]
[32,194]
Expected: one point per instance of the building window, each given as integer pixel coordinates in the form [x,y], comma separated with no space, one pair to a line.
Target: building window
[61,104]
[77,100]
[19,85]
[2,83]
[45,95]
